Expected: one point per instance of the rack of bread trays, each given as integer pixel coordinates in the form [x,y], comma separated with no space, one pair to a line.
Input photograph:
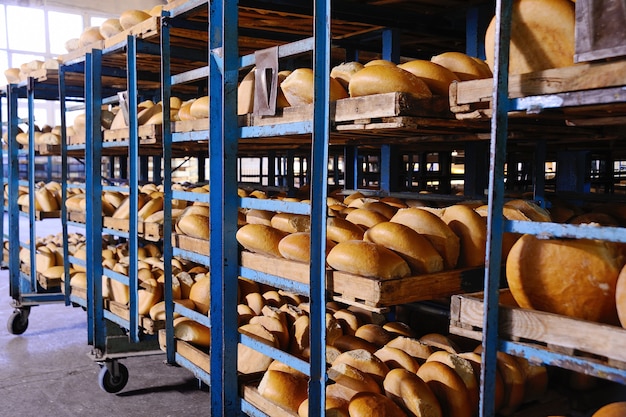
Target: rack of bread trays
[319,300]
[35,262]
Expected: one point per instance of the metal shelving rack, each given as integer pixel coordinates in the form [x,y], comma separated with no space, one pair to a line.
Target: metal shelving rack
[497,225]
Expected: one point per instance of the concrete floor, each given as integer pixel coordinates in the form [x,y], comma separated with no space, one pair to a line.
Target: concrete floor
[46,371]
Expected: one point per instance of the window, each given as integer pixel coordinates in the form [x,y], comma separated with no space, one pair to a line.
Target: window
[26,27]
[61,28]
[3,32]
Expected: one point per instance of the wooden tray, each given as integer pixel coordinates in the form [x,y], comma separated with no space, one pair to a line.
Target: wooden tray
[251,394]
[372,293]
[76,216]
[557,333]
[190,244]
[148,325]
[40,215]
[194,355]
[472,99]
[149,231]
[48,283]
[147,134]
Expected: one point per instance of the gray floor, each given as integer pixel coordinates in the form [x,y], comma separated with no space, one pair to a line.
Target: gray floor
[47,371]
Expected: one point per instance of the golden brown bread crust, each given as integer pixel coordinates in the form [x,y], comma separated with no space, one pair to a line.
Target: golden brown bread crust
[367,259]
[448,387]
[380,79]
[576,278]
[437,77]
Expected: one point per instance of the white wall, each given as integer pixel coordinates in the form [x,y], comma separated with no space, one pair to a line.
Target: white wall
[105,7]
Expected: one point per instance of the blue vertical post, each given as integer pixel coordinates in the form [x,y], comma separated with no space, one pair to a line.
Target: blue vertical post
[391,45]
[133,183]
[477,19]
[93,158]
[319,186]
[13,207]
[2,184]
[66,264]
[497,150]
[539,174]
[385,168]
[30,93]
[166,85]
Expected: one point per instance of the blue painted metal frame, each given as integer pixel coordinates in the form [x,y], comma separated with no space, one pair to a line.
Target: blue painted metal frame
[499,128]
[93,157]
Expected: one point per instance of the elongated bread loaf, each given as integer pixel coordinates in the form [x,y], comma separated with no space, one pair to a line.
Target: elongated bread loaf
[437,77]
[298,88]
[443,239]
[367,259]
[380,79]
[260,238]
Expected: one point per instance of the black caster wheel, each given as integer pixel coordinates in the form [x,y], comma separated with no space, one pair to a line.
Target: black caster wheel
[18,322]
[113,383]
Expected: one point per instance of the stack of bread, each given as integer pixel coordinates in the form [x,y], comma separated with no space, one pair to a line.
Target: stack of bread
[368,236]
[49,260]
[47,196]
[373,364]
[419,78]
[18,74]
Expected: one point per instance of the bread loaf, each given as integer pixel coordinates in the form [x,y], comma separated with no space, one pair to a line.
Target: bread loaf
[438,78]
[464,66]
[274,326]
[443,239]
[191,331]
[418,350]
[130,18]
[374,334]
[367,259]
[464,369]
[369,404]
[284,389]
[110,28]
[395,358]
[200,294]
[199,109]
[410,392]
[335,407]
[353,378]
[620,296]
[380,79]
[260,238]
[365,362]
[341,230]
[414,248]
[365,218]
[89,36]
[576,278]
[471,229]
[298,88]
[250,361]
[344,72]
[347,342]
[194,225]
[291,223]
[448,387]
[297,247]
[542,36]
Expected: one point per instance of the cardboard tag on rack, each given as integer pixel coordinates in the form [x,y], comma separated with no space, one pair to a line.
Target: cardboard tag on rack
[123,98]
[266,82]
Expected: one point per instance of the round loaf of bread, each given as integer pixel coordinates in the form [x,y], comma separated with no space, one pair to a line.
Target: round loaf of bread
[200,294]
[398,328]
[367,259]
[110,27]
[260,238]
[414,248]
[380,79]
[276,327]
[448,387]
[410,392]
[199,109]
[12,75]
[184,112]
[530,209]
[471,229]
[542,36]
[347,342]
[284,389]
[344,72]
[89,36]
[383,62]
[348,320]
[298,88]
[130,18]
[617,409]
[464,66]
[575,278]
[369,404]
[440,235]
[438,78]
[440,342]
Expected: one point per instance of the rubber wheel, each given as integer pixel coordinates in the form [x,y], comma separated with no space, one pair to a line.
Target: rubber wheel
[109,383]
[18,323]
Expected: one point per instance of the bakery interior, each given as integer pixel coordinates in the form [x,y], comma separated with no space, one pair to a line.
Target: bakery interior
[432,227]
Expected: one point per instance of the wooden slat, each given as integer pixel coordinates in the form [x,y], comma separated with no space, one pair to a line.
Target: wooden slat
[148,325]
[190,244]
[551,81]
[540,327]
[373,293]
[48,283]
